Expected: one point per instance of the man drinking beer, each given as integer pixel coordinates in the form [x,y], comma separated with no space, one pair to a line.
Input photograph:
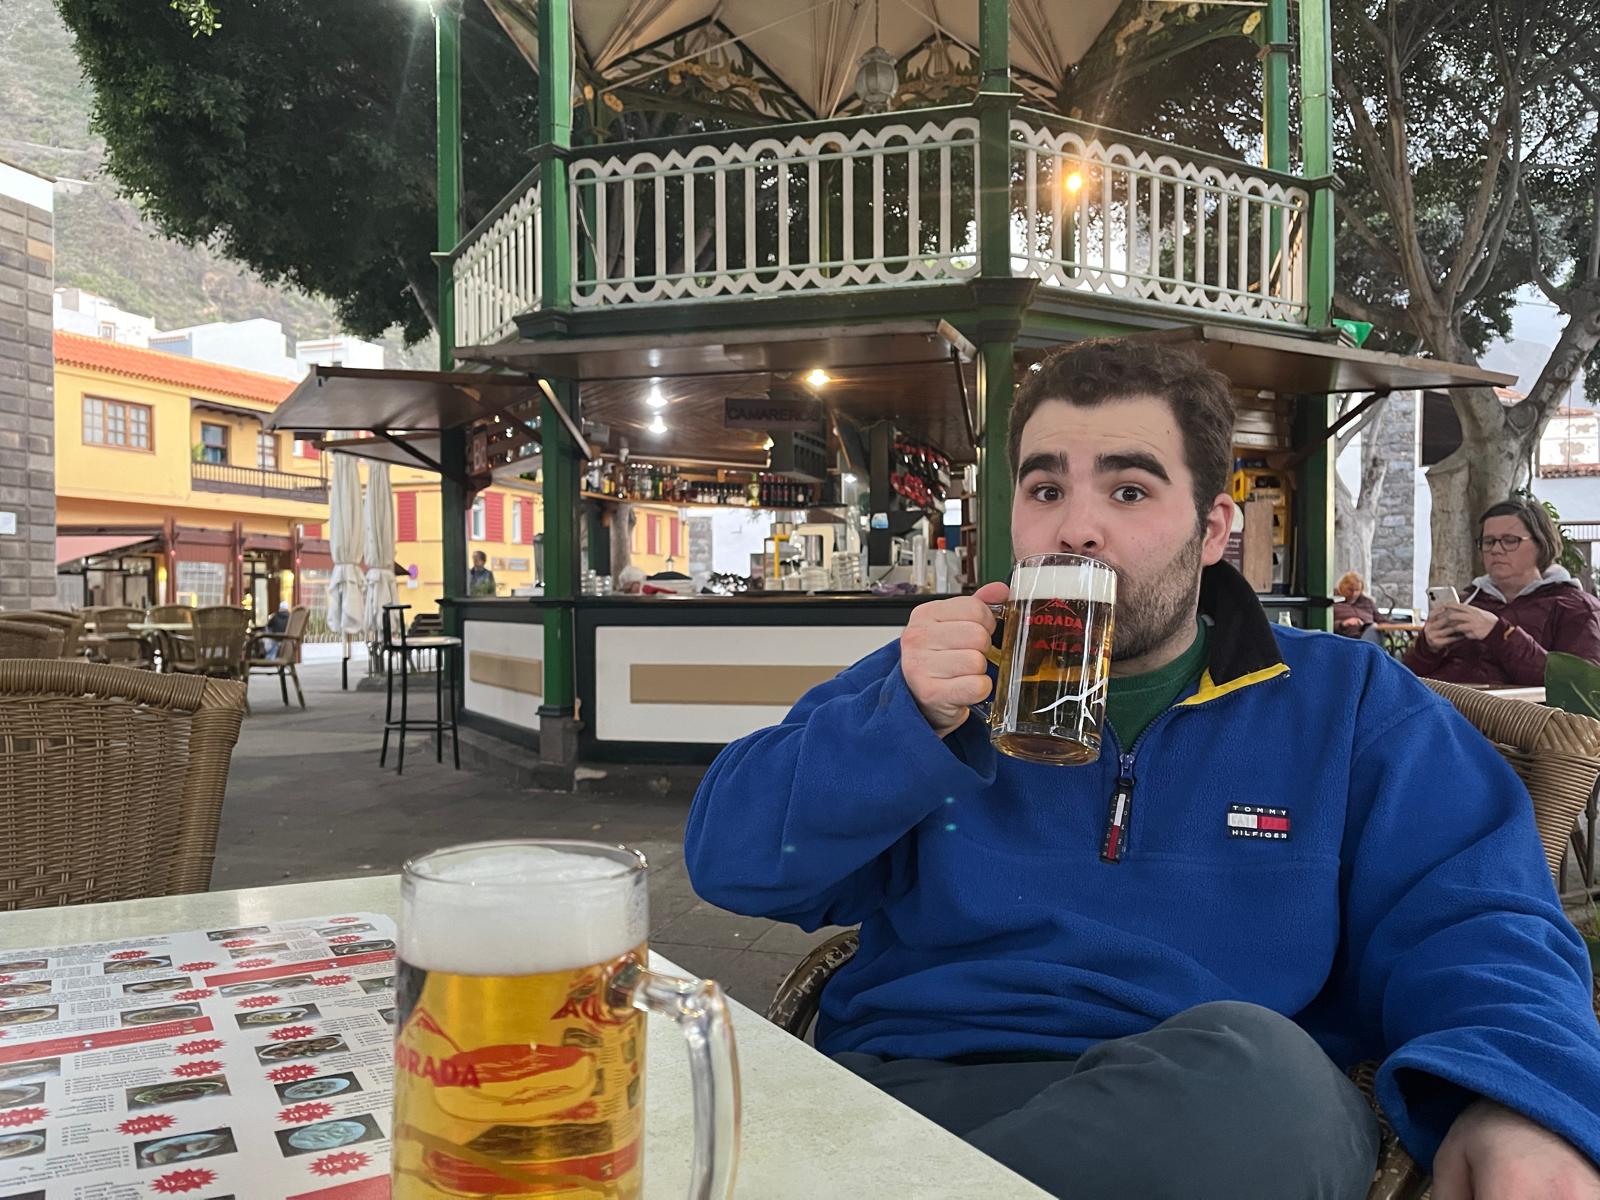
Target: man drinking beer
[1316,861]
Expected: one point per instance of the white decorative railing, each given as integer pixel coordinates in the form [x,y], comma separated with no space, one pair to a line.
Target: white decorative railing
[876,206]
[497,276]
[1114,219]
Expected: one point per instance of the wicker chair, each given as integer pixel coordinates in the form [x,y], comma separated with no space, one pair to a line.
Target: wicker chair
[172,646]
[71,628]
[113,642]
[1557,754]
[287,656]
[111,781]
[28,639]
[217,648]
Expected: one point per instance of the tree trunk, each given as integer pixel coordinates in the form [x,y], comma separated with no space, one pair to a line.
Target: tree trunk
[1487,467]
[1356,518]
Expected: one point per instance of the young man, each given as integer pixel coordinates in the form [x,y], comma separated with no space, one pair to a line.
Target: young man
[1172,1019]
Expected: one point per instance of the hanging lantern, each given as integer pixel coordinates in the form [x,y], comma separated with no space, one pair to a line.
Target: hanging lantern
[876,80]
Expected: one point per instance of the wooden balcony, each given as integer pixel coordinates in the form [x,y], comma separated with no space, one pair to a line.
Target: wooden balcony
[257,481]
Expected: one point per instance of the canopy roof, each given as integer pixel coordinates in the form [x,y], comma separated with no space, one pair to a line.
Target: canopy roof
[794,59]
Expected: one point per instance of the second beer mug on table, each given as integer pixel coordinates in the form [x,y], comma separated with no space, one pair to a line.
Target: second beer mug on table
[1049,702]
[520,1044]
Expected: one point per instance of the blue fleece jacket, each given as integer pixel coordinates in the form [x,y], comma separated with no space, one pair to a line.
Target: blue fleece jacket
[1408,915]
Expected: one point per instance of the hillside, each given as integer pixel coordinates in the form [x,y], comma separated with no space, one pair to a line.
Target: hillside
[102,242]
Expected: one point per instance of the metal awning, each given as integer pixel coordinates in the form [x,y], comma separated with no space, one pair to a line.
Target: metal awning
[70,548]
[758,350]
[351,399]
[918,373]
[1272,362]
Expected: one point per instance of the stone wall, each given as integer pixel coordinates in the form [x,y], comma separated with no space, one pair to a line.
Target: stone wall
[1394,540]
[27,412]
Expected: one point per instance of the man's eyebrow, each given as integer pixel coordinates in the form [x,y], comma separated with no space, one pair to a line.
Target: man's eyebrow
[1131,460]
[1054,463]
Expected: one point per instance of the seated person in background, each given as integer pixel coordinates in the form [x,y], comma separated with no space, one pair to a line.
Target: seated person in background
[1523,607]
[1112,977]
[278,622]
[1354,612]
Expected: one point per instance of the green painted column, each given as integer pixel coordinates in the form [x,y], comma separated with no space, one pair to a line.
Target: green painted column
[1315,414]
[1316,142]
[994,103]
[996,345]
[1275,100]
[453,498]
[560,479]
[996,379]
[560,471]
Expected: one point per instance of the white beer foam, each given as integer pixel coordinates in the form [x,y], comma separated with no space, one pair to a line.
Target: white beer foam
[1064,581]
[521,910]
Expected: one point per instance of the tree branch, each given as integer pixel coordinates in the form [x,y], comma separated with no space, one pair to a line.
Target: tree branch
[1473,232]
[1536,254]
[418,293]
[1379,315]
[1346,436]
[1367,234]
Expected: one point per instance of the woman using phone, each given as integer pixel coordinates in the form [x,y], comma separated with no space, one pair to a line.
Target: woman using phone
[1520,609]
[1354,612]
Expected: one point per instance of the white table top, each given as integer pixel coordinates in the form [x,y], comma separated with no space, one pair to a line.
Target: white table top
[163,626]
[810,1127]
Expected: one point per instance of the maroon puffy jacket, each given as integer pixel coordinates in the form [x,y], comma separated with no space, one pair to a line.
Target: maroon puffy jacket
[1555,614]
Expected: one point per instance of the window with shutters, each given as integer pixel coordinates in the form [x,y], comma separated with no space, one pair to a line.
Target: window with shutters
[306,450]
[267,451]
[213,443]
[475,520]
[516,521]
[527,522]
[652,525]
[311,532]
[405,521]
[496,523]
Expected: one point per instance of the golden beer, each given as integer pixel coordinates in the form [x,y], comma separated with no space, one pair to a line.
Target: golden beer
[1049,699]
[519,1062]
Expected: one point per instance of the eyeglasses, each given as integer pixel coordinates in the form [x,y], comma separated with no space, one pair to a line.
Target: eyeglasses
[1508,543]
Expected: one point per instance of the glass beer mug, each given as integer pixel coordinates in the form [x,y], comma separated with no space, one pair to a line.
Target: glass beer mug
[521,989]
[1049,701]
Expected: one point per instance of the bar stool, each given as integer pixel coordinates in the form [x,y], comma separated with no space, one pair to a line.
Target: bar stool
[402,647]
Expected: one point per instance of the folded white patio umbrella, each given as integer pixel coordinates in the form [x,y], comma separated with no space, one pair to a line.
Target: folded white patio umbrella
[346,611]
[378,548]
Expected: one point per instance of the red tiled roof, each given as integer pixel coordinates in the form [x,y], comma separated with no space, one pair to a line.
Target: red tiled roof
[1567,470]
[73,349]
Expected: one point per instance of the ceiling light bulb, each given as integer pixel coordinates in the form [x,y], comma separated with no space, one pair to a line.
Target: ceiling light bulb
[657,425]
[656,399]
[767,445]
[817,377]
[849,478]
[1074,182]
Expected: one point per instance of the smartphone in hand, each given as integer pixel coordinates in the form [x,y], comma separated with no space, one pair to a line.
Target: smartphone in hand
[1442,595]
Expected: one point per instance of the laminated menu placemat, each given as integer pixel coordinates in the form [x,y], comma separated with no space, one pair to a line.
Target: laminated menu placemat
[248,1062]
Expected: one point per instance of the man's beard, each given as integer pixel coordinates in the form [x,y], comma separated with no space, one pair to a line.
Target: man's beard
[1153,608]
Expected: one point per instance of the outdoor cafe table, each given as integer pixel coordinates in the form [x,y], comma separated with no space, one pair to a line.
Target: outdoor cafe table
[810,1127]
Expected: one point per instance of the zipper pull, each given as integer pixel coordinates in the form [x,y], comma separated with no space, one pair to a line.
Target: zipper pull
[1118,813]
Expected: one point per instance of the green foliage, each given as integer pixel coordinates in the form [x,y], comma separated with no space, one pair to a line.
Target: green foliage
[201,15]
[1461,84]
[298,136]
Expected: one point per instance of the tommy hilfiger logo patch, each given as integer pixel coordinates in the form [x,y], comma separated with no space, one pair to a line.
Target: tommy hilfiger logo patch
[1258,821]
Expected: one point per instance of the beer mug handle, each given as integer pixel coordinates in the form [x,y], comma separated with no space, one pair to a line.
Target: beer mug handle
[701,1011]
[993,655]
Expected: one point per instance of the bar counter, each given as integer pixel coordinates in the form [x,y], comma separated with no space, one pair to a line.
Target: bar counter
[673,679]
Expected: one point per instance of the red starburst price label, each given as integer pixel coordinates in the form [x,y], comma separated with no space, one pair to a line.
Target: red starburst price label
[292,1072]
[154,1123]
[290,1032]
[190,1179]
[6,978]
[299,1114]
[258,1001]
[344,938]
[196,966]
[254,962]
[194,994]
[197,1068]
[340,1163]
[16,1118]
[235,943]
[331,980]
[130,954]
[200,1046]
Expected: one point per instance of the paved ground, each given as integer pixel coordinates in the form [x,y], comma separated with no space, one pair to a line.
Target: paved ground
[307,800]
